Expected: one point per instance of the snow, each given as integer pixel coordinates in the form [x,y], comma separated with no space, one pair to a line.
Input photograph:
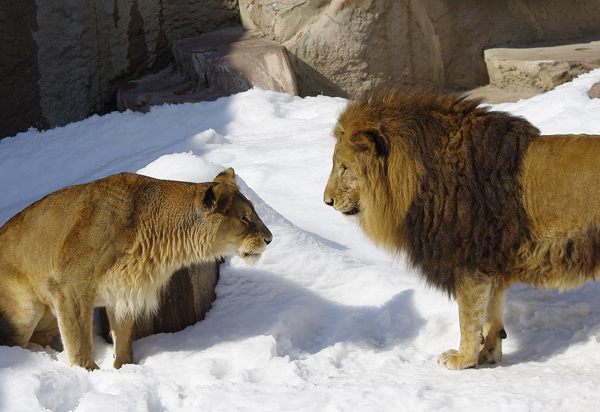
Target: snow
[325,321]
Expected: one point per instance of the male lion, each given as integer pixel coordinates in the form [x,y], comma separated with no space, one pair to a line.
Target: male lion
[114,242]
[477,199]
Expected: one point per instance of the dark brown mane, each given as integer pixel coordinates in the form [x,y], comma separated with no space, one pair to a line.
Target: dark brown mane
[467,213]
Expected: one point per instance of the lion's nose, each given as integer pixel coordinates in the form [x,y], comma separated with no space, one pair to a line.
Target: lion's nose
[267,241]
[329,202]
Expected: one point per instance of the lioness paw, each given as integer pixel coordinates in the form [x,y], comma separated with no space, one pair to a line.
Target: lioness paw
[453,360]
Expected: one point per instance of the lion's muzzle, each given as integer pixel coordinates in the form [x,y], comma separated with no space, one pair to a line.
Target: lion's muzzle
[348,210]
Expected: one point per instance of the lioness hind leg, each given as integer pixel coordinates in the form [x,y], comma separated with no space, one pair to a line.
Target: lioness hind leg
[47,328]
[21,311]
[473,297]
[493,329]
[122,338]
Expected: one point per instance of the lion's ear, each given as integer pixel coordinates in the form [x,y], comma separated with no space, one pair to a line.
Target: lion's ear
[227,176]
[371,142]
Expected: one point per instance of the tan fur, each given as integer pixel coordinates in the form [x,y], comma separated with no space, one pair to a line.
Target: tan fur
[421,174]
[114,242]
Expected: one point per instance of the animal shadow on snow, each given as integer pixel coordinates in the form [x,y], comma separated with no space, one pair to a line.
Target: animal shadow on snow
[253,303]
[545,323]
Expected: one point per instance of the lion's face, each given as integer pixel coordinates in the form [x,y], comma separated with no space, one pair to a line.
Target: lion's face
[343,187]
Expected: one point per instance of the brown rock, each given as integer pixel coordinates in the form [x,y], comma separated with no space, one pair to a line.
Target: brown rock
[594,92]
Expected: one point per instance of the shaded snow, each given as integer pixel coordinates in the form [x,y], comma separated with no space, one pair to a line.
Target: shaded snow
[325,321]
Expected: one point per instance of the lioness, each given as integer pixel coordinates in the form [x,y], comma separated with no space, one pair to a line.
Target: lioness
[477,199]
[114,242]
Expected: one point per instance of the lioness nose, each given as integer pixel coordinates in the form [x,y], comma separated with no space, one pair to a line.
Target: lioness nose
[329,202]
[267,241]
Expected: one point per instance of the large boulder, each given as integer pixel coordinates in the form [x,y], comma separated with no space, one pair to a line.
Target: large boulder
[345,47]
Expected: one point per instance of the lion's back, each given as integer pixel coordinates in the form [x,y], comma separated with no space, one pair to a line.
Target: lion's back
[561,183]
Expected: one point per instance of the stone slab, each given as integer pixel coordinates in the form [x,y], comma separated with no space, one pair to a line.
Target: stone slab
[210,66]
[234,60]
[539,69]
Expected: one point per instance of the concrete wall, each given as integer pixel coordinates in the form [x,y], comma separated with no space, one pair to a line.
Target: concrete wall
[61,60]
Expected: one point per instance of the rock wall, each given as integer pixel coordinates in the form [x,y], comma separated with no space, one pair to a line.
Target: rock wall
[345,47]
[61,61]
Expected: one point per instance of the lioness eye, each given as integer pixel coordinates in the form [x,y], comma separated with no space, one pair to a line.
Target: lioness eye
[245,219]
[344,168]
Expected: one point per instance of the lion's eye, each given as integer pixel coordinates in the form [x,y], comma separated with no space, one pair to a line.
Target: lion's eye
[344,168]
[245,219]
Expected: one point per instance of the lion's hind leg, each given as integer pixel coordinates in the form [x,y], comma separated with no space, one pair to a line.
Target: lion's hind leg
[493,329]
[473,296]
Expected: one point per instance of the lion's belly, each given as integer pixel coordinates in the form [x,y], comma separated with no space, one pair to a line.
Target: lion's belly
[561,183]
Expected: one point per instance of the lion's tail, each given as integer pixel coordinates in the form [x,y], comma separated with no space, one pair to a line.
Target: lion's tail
[563,262]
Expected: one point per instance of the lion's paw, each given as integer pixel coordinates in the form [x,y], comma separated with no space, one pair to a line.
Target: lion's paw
[453,360]
[492,349]
[491,356]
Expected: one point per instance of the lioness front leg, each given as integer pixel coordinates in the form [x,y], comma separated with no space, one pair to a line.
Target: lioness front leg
[75,319]
[493,329]
[473,297]
[122,338]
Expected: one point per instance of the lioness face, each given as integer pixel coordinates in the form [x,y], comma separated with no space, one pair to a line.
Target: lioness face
[343,187]
[245,234]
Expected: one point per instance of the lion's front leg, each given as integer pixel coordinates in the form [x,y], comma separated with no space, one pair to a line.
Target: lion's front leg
[493,329]
[473,297]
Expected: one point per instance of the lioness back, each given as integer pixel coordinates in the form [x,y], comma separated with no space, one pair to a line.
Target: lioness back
[64,218]
[114,242]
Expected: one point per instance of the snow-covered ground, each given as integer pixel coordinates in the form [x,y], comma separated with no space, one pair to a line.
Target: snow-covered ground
[324,322]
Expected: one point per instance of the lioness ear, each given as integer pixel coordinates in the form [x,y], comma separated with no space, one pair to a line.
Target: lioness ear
[370,141]
[210,199]
[218,198]
[227,176]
